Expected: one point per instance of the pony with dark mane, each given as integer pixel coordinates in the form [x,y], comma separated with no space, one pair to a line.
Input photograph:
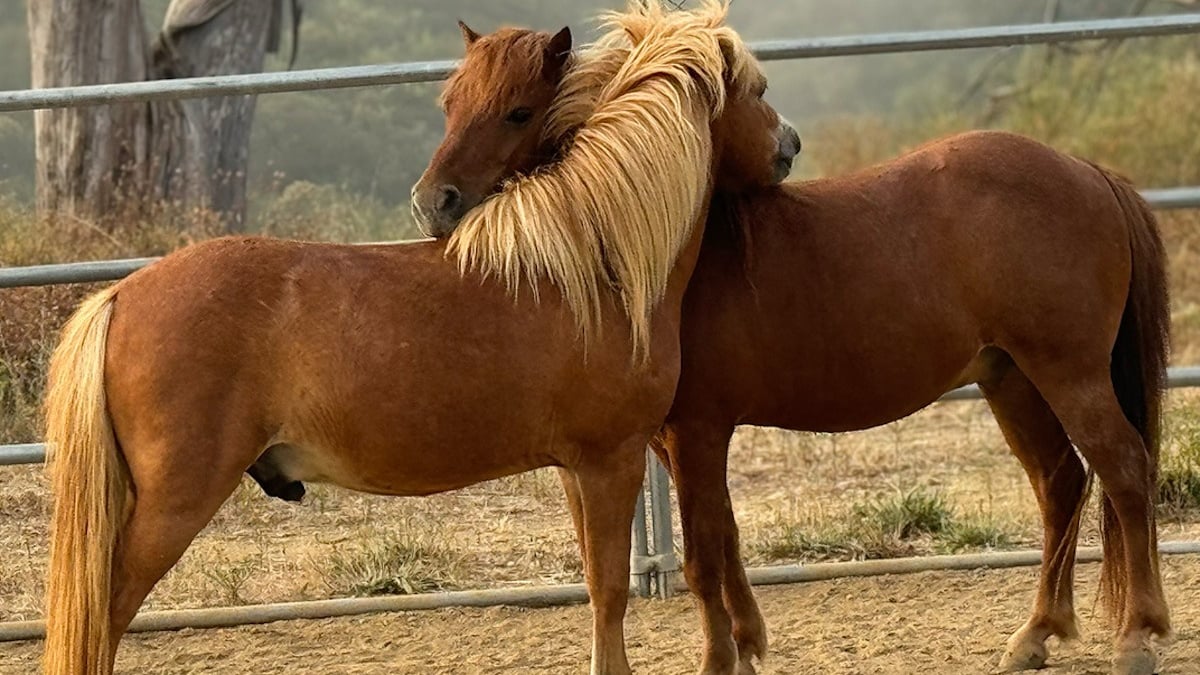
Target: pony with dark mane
[394,370]
[981,258]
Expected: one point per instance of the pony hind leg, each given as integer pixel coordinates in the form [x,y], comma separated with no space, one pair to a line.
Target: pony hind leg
[1085,401]
[609,486]
[1060,482]
[170,507]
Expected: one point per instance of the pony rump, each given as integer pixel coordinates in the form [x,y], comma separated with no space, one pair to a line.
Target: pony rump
[588,222]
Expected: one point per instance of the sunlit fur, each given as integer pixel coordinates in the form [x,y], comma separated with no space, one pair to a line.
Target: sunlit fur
[619,206]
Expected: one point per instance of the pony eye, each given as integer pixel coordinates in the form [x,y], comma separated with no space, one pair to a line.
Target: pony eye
[519,116]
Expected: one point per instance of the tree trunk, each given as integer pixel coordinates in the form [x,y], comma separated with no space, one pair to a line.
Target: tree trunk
[201,146]
[89,160]
[100,161]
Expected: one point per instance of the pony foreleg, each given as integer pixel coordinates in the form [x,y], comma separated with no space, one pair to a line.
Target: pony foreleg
[609,486]
[575,506]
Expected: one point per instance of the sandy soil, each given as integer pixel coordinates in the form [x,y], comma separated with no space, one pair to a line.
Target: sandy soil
[930,623]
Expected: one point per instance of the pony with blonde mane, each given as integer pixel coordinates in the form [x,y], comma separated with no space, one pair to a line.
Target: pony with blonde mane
[604,241]
[594,239]
[394,370]
[983,257]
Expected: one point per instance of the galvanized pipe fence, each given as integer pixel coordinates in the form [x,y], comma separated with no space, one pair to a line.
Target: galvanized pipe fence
[432,71]
[654,563]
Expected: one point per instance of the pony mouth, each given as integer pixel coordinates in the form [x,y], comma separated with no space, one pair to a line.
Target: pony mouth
[419,219]
[783,169]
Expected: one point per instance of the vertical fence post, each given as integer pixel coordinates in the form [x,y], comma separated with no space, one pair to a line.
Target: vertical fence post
[639,573]
[666,564]
[652,561]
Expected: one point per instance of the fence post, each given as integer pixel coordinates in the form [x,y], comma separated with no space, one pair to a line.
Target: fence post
[652,561]
[639,573]
[666,564]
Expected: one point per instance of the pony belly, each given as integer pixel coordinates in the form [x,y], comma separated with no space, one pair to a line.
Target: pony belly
[396,471]
[880,394]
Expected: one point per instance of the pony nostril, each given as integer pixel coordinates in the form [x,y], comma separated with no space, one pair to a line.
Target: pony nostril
[790,145]
[448,200]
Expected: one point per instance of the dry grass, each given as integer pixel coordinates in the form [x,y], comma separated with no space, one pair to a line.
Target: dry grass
[1179,476]
[411,560]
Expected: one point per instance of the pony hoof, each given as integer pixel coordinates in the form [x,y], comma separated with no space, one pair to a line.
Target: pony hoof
[747,652]
[1023,654]
[755,646]
[710,666]
[1139,660]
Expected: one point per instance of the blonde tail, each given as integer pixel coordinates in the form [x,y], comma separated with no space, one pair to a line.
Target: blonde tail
[90,483]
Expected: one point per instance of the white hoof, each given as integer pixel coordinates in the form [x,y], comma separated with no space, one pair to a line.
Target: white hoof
[746,666]
[1139,660]
[1024,653]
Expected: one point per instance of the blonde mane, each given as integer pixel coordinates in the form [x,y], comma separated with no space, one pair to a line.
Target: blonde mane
[590,69]
[617,209]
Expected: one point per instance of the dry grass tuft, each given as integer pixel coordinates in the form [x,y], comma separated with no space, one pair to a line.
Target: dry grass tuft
[976,534]
[229,577]
[1179,473]
[403,563]
[906,515]
[911,522]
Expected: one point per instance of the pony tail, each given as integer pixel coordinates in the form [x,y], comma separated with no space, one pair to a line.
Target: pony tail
[1139,374]
[91,484]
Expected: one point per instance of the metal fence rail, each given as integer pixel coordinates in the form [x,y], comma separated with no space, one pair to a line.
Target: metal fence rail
[431,71]
[111,270]
[1183,376]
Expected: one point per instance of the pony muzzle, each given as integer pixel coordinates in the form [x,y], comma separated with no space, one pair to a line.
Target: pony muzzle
[438,209]
[787,150]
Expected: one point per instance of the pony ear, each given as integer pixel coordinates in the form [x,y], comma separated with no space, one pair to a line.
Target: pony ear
[557,51]
[729,53]
[469,36]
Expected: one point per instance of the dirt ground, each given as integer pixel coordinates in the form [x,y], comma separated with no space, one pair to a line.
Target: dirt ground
[949,623]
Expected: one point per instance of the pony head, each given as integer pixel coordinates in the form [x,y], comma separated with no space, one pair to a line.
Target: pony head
[666,106]
[511,108]
[495,104]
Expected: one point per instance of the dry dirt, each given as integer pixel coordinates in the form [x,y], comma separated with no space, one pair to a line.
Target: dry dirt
[930,623]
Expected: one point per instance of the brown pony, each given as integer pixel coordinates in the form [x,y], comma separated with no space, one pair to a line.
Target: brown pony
[392,370]
[846,303]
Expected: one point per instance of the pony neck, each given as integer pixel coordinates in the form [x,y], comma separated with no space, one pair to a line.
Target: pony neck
[685,262]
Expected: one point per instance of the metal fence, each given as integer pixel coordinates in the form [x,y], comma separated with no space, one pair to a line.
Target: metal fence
[654,561]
